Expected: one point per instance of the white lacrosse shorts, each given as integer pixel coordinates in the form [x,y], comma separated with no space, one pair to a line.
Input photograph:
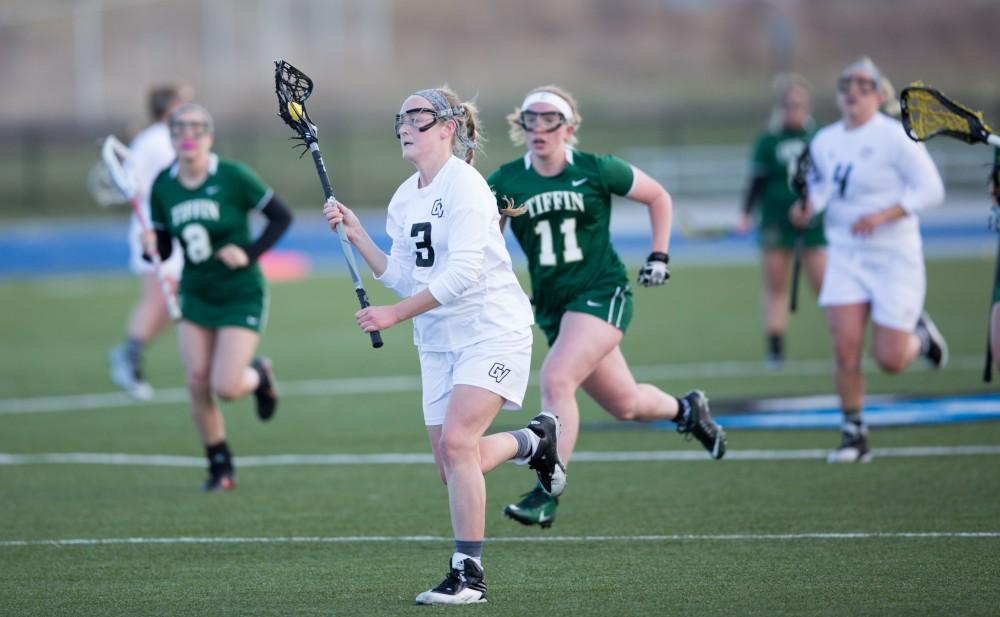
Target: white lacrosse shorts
[172,266]
[501,365]
[893,282]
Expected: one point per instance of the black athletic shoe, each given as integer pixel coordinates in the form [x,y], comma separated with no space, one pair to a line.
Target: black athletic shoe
[933,345]
[545,459]
[267,392]
[219,482]
[853,445]
[464,584]
[701,425]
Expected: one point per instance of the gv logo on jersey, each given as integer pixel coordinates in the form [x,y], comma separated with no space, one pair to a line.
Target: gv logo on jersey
[498,372]
[437,209]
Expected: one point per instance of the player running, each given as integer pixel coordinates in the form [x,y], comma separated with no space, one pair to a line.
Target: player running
[205,202]
[774,158]
[561,199]
[871,180]
[471,321]
[152,151]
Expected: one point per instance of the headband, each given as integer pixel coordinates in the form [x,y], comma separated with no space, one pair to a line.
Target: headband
[439,102]
[866,65]
[543,96]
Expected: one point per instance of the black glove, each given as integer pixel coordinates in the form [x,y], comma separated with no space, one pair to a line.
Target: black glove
[655,271]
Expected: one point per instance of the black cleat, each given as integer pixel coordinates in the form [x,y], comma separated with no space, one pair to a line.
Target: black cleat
[701,425]
[853,445]
[464,584]
[932,343]
[267,391]
[217,482]
[545,459]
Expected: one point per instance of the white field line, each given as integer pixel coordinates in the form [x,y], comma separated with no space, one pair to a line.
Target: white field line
[723,537]
[411,383]
[278,460]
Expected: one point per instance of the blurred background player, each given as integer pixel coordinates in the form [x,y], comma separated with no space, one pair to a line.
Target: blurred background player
[471,321]
[995,224]
[560,199]
[775,155]
[205,202]
[871,180]
[152,152]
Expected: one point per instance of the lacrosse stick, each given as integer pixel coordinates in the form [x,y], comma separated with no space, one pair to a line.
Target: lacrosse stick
[799,184]
[114,154]
[293,87]
[926,113]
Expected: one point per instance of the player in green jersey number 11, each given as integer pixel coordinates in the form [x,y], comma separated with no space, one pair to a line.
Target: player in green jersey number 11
[558,200]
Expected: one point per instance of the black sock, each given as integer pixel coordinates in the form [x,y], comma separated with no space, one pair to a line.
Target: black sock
[853,416]
[220,459]
[776,345]
[682,411]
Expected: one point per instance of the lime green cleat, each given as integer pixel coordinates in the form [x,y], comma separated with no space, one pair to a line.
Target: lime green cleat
[535,508]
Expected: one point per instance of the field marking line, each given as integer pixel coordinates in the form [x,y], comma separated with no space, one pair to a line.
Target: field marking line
[721,537]
[411,383]
[280,460]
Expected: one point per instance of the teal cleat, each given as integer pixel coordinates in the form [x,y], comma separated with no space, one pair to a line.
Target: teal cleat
[535,508]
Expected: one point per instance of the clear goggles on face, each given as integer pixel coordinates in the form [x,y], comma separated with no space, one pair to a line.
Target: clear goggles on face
[544,121]
[420,118]
[197,128]
[865,85]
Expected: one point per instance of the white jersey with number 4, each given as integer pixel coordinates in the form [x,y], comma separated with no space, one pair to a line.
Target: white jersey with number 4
[446,238]
[860,171]
[151,152]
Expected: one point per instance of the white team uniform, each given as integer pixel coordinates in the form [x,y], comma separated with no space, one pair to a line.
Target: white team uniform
[446,238]
[859,172]
[152,152]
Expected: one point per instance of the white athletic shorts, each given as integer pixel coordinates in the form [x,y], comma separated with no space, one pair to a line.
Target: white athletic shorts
[500,365]
[171,267]
[893,282]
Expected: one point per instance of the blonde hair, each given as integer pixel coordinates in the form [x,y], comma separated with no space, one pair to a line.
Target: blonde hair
[890,104]
[780,87]
[467,138]
[514,120]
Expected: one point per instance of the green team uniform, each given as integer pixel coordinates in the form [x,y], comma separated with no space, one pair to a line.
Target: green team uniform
[205,219]
[774,158]
[566,237]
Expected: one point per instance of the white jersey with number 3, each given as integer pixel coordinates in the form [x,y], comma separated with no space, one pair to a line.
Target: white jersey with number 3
[446,238]
[860,171]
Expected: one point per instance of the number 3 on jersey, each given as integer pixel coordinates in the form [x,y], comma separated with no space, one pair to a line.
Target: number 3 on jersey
[424,259]
[571,249]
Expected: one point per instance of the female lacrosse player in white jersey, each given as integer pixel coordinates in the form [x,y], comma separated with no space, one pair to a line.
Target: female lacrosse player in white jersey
[151,153]
[871,180]
[471,321]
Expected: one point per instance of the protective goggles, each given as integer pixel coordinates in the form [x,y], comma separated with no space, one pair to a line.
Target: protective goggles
[544,121]
[864,84]
[420,118]
[198,128]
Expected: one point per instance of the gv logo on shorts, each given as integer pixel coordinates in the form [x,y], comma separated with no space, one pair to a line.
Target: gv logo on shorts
[498,372]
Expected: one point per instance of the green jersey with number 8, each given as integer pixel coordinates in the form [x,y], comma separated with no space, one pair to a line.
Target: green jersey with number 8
[207,218]
[565,233]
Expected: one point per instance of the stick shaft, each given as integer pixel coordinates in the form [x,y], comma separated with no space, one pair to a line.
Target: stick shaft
[345,244]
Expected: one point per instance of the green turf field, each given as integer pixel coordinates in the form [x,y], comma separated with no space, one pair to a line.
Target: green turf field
[905,535]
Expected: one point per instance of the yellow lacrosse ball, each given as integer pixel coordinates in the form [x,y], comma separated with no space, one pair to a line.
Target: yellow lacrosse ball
[295,110]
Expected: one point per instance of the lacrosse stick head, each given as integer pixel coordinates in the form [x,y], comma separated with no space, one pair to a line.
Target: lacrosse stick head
[115,157]
[926,113]
[800,179]
[293,87]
